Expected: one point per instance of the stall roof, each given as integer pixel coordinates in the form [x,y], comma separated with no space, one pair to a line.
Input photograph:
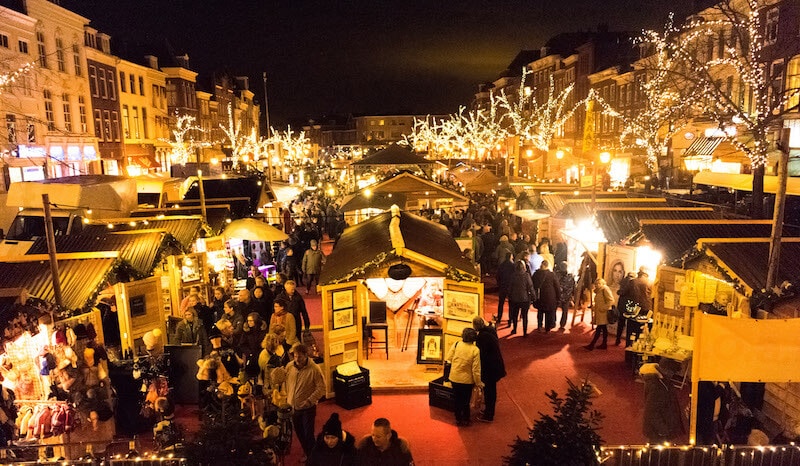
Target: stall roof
[415,188]
[393,155]
[619,223]
[139,248]
[675,238]
[365,243]
[217,215]
[747,260]
[479,181]
[582,208]
[744,182]
[185,229]
[555,201]
[80,277]
[382,201]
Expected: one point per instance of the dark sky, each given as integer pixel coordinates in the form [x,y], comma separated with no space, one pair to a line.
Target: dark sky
[362,56]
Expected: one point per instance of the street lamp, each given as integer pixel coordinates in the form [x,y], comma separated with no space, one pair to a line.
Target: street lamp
[559,156]
[604,157]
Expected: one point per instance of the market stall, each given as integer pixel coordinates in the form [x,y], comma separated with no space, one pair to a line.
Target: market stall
[411,274]
[250,241]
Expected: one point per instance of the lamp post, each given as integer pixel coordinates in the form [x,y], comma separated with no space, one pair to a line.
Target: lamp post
[604,158]
[559,156]
[266,119]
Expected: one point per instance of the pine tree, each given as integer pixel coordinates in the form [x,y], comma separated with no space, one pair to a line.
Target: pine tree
[567,438]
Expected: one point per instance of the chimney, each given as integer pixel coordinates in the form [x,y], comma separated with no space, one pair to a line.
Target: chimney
[183,60]
[544,51]
[243,82]
[104,43]
[152,61]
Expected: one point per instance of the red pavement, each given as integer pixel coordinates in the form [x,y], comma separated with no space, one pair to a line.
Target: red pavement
[535,364]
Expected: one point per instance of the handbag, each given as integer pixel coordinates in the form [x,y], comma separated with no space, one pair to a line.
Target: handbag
[613,315]
[476,402]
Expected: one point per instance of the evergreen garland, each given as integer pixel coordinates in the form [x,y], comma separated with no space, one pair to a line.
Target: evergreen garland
[568,438]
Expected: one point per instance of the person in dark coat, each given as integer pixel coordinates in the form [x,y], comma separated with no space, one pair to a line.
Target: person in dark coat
[545,283]
[623,303]
[566,284]
[662,421]
[296,306]
[384,447]
[249,344]
[334,446]
[519,297]
[262,302]
[217,304]
[492,366]
[642,292]
[505,273]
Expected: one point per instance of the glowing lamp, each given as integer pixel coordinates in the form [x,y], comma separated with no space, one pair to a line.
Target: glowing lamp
[605,157]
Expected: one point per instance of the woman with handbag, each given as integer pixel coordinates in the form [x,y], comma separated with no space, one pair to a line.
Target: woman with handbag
[465,373]
[603,300]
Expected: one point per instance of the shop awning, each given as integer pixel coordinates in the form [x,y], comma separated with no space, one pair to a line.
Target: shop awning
[744,182]
[252,229]
[703,147]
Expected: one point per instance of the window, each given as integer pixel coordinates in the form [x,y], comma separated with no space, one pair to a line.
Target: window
[103,85]
[132,80]
[136,122]
[115,125]
[11,128]
[154,97]
[31,131]
[98,124]
[172,95]
[163,98]
[82,113]
[48,110]
[112,87]
[107,125]
[93,80]
[62,65]
[126,122]
[122,82]
[141,85]
[144,122]
[42,49]
[771,30]
[3,41]
[76,58]
[793,82]
[67,112]
[23,47]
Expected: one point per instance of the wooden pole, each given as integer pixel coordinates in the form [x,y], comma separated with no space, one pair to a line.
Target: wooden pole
[51,250]
[778,211]
[202,195]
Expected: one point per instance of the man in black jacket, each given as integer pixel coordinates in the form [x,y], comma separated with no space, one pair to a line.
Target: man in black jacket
[492,366]
[545,283]
[505,274]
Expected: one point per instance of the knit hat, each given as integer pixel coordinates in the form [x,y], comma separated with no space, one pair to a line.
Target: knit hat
[333,426]
[152,339]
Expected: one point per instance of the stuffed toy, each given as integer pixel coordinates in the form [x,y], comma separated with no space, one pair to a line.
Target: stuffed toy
[277,379]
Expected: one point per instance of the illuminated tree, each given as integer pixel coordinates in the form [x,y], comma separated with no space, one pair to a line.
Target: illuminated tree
[241,145]
[183,143]
[735,61]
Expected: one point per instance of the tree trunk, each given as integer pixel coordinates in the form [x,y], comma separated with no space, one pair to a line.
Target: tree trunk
[757,200]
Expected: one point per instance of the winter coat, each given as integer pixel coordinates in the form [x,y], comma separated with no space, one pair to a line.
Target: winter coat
[297,307]
[288,322]
[603,300]
[566,284]
[521,287]
[546,283]
[641,294]
[343,454]
[313,260]
[492,366]
[398,453]
[250,341]
[465,360]
[662,419]
[505,274]
[503,248]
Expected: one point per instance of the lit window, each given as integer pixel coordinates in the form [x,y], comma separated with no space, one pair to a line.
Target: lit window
[67,112]
[48,110]
[42,49]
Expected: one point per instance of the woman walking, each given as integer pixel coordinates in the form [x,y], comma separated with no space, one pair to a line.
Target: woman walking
[465,372]
[519,297]
[603,300]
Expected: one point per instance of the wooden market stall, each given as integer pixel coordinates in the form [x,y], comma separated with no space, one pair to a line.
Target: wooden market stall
[405,264]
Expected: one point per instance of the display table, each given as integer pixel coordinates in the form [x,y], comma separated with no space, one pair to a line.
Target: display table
[663,348]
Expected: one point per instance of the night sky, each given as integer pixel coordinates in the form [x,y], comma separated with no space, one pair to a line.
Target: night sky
[361,56]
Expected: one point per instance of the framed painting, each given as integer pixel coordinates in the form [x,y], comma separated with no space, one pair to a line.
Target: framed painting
[429,347]
[459,305]
[342,299]
[342,318]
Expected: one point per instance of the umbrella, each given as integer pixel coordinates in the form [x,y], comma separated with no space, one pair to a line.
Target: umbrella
[252,229]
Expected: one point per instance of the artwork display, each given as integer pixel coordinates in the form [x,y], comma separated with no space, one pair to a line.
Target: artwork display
[342,318]
[429,347]
[342,299]
[459,305]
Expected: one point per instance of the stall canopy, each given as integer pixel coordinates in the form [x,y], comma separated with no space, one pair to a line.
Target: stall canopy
[393,155]
[482,181]
[367,249]
[674,238]
[81,275]
[186,229]
[417,191]
[619,223]
[582,208]
[744,260]
[380,201]
[142,249]
[743,182]
[555,201]
[252,229]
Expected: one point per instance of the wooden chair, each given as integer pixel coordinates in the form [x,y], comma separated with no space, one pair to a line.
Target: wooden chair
[376,322]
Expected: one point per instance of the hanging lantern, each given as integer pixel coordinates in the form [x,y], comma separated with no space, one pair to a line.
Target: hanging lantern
[399,271]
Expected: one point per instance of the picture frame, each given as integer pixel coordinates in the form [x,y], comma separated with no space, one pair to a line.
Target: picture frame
[429,346]
[342,318]
[456,327]
[460,305]
[342,299]
[449,341]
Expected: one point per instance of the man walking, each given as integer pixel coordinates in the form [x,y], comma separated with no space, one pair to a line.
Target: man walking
[505,273]
[313,260]
[305,386]
[492,366]
[545,283]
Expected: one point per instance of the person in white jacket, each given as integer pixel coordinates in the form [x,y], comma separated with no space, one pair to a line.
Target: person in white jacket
[465,372]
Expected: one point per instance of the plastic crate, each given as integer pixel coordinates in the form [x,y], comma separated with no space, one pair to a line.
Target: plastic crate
[354,398]
[351,381]
[440,395]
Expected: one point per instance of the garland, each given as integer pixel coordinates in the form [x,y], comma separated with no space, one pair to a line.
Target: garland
[450,272]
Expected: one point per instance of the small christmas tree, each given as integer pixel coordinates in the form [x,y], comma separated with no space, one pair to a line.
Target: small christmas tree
[568,438]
